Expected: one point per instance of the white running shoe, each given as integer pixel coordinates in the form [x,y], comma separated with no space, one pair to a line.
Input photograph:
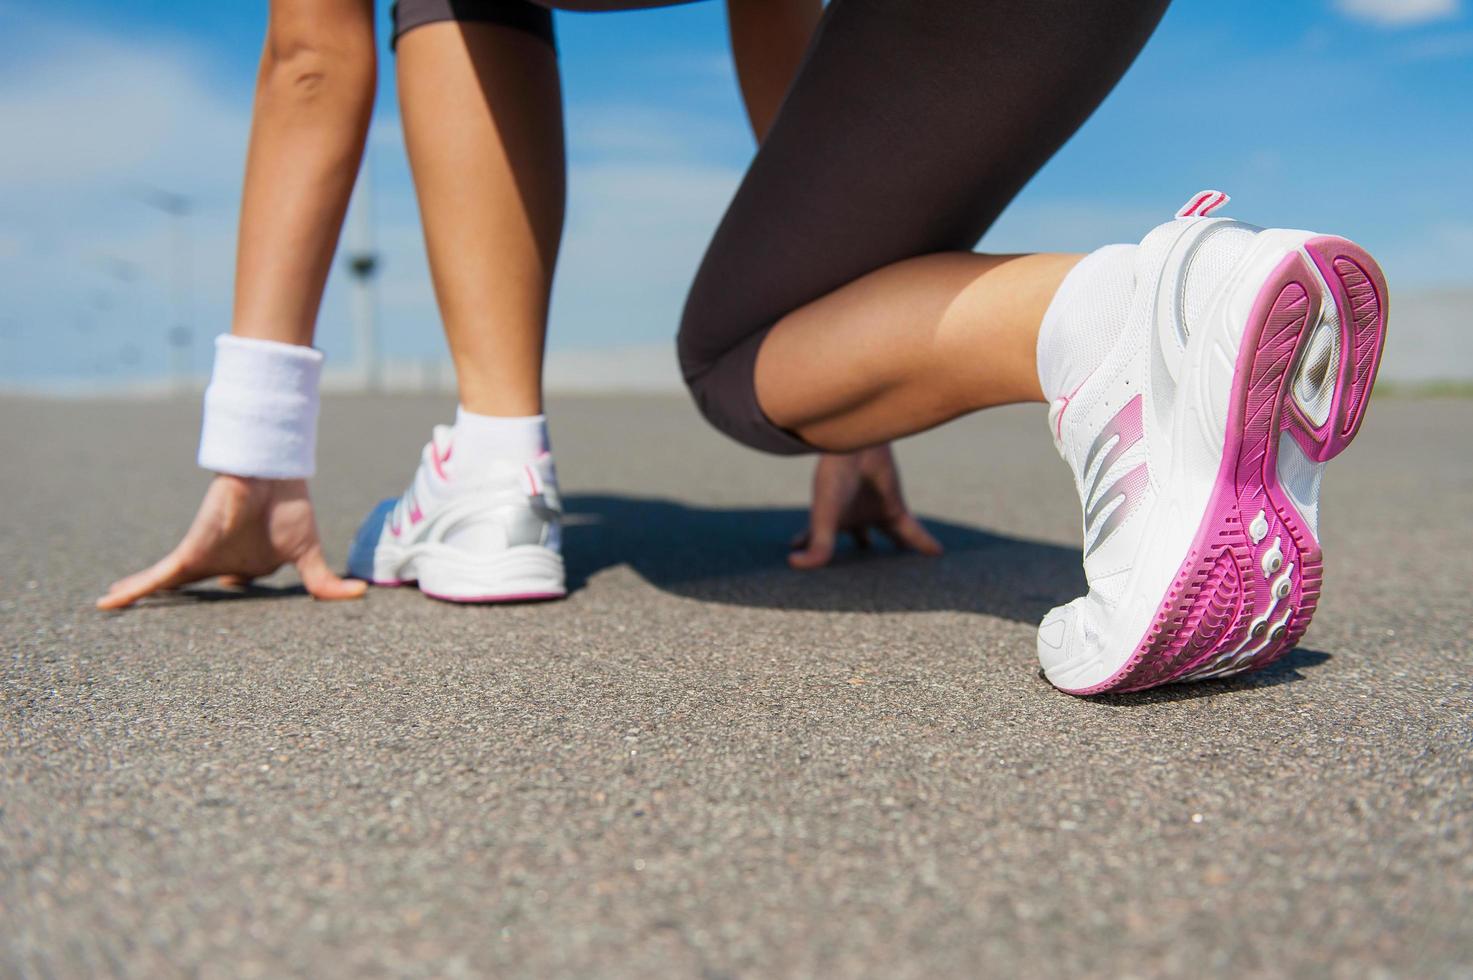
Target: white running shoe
[1201,539]
[488,533]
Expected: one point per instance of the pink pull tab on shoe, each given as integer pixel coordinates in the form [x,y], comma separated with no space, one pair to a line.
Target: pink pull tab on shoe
[1202,204]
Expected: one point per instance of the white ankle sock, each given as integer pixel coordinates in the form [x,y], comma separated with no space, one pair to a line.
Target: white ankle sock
[1085,319]
[481,437]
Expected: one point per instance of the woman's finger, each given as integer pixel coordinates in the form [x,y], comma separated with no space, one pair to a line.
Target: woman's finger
[818,551]
[829,499]
[167,573]
[817,547]
[909,533]
[835,480]
[322,582]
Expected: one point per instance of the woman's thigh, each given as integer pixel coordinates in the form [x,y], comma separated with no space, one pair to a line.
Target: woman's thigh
[909,129]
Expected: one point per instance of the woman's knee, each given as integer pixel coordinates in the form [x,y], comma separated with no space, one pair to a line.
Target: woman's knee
[723,383]
[311,54]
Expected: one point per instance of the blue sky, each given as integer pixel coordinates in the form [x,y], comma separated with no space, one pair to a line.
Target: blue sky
[1347,115]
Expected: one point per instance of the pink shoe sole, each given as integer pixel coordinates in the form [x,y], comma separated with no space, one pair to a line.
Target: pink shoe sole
[1249,585]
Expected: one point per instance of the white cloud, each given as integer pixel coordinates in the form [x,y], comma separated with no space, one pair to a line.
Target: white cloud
[110,111]
[1399,13]
[93,121]
[1053,224]
[636,232]
[1446,46]
[86,264]
[386,133]
[656,134]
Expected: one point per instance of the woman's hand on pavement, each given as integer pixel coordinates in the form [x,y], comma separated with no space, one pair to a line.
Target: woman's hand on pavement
[857,493]
[245,528]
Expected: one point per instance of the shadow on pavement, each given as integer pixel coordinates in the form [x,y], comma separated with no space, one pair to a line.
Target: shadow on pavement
[219,593]
[738,556]
[1285,670]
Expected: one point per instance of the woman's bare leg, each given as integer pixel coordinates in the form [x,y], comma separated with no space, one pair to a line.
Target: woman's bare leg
[482,110]
[314,97]
[835,300]
[908,347]
[768,38]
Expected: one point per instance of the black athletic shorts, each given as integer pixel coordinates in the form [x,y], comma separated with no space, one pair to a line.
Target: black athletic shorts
[529,17]
[910,127]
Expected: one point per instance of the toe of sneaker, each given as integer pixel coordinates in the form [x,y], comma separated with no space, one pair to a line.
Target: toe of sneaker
[1069,653]
[1056,635]
[365,542]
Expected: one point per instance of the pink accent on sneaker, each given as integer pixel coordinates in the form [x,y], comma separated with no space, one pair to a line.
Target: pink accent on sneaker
[439,461]
[415,514]
[1123,432]
[1359,290]
[1203,204]
[1059,422]
[532,481]
[1223,613]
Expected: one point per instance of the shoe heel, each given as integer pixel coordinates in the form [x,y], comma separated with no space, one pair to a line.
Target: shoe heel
[1357,288]
[525,573]
[1249,585]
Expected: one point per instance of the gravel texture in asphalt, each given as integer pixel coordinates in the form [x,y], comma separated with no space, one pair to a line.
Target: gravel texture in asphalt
[705,764]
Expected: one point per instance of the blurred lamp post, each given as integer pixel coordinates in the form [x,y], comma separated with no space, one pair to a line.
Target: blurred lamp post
[9,362]
[180,336]
[363,264]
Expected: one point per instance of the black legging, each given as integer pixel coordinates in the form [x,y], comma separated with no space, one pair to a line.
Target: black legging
[910,127]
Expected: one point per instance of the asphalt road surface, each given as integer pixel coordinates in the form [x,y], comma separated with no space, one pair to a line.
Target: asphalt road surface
[702,763]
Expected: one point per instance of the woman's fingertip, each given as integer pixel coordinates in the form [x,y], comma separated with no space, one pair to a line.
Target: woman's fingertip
[341,590]
[809,558]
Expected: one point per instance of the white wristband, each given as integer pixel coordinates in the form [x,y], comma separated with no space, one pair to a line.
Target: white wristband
[261,409]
